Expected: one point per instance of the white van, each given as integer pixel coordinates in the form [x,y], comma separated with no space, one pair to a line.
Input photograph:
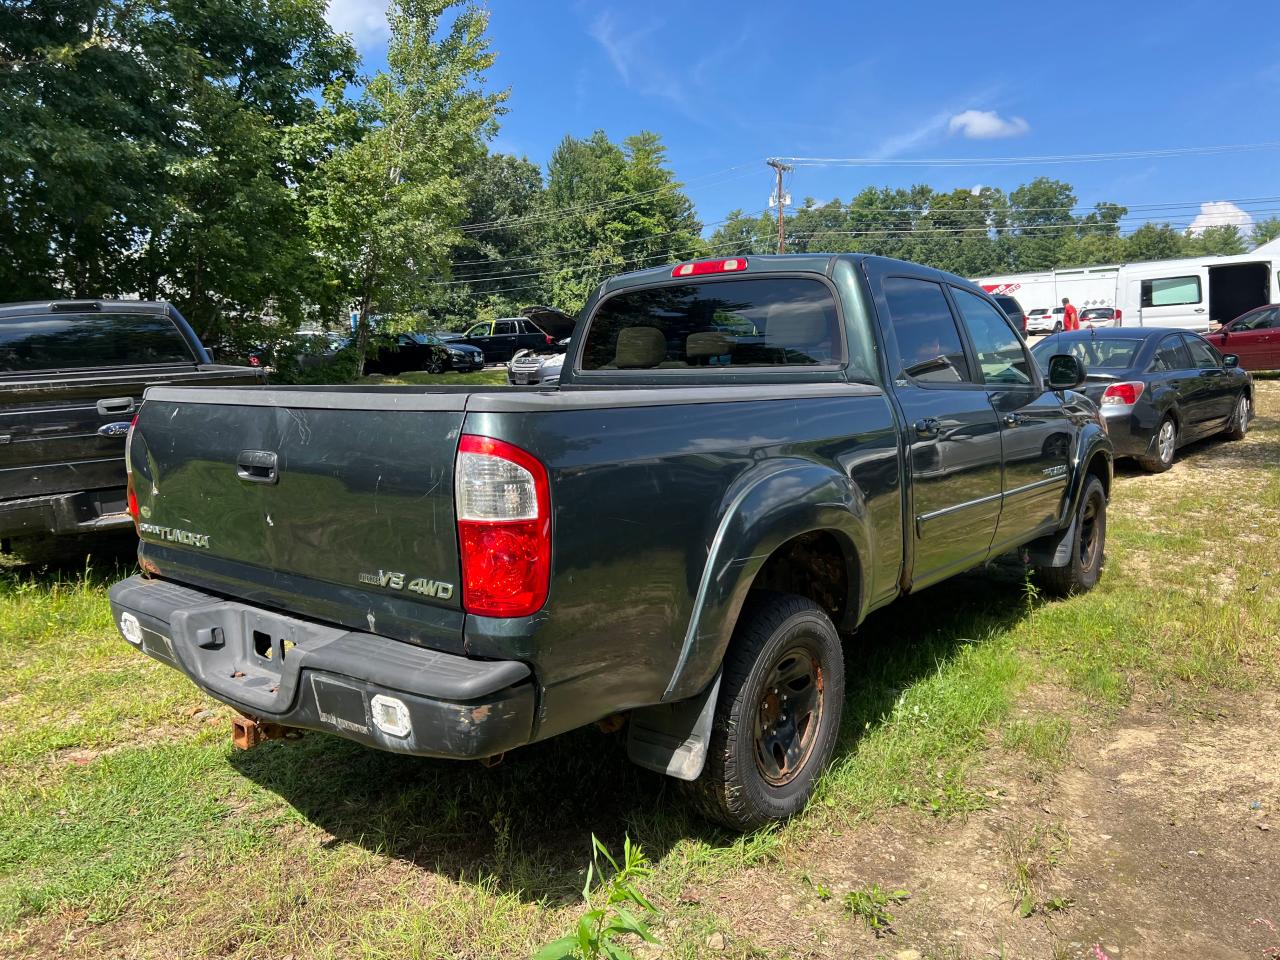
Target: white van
[1194,293]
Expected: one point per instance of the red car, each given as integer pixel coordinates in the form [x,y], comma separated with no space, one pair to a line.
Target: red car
[1254,337]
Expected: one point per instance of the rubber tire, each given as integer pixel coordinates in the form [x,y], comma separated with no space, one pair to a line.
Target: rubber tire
[1075,577]
[1155,464]
[731,789]
[436,366]
[1238,428]
[1057,327]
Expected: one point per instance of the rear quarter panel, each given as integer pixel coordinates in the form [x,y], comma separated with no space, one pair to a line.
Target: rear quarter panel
[639,496]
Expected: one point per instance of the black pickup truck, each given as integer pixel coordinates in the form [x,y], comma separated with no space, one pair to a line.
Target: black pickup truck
[743,459]
[72,374]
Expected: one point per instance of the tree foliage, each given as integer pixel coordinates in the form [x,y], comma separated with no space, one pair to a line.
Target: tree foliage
[384,211]
[154,147]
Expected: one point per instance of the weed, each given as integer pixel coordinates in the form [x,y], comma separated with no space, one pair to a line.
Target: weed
[872,905]
[1031,856]
[599,929]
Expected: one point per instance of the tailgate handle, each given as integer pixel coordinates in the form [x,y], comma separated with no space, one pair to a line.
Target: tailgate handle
[258,466]
[115,405]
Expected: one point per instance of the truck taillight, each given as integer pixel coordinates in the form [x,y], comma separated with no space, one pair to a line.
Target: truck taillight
[1123,394]
[128,469]
[504,528]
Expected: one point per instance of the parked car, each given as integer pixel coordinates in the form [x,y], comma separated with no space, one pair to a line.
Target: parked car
[72,375]
[1158,388]
[1099,317]
[424,351]
[537,367]
[501,339]
[1012,309]
[1045,320]
[1254,337]
[677,537]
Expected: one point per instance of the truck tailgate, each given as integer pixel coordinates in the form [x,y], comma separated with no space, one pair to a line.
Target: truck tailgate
[337,502]
[64,431]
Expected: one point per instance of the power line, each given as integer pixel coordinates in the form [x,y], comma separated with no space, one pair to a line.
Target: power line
[1046,159]
[612,204]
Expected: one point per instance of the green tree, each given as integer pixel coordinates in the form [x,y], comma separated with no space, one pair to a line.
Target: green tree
[1264,231]
[1221,240]
[384,210]
[612,208]
[1155,242]
[743,234]
[154,147]
[1041,213]
[495,266]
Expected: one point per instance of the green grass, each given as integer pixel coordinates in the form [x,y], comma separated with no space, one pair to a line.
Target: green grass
[124,811]
[494,376]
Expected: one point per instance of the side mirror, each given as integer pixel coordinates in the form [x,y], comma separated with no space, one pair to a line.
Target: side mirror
[1230,360]
[1066,372]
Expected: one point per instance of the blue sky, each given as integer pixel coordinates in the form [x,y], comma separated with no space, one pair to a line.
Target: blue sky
[729,84]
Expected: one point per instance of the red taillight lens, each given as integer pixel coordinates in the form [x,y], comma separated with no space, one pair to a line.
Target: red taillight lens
[128,469]
[504,528]
[1123,394]
[549,340]
[701,267]
[1119,317]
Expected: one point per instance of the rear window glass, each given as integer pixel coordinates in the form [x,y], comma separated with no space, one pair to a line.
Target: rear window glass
[764,322]
[60,341]
[1097,313]
[1105,354]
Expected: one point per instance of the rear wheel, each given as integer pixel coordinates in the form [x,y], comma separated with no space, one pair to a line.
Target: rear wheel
[1088,546]
[1166,447]
[1239,425]
[1057,327]
[778,715]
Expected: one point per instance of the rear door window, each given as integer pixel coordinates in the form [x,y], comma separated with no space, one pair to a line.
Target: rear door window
[67,341]
[1171,355]
[1001,357]
[756,322]
[1203,356]
[929,346]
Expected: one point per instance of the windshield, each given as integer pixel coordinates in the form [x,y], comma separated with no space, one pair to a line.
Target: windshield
[426,339]
[1100,355]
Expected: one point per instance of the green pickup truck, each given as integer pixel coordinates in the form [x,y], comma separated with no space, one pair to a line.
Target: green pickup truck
[744,457]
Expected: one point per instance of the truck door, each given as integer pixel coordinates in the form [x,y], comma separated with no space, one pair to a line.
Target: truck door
[1034,430]
[952,435]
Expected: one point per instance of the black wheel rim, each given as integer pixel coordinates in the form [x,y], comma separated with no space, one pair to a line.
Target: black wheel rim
[1090,541]
[788,716]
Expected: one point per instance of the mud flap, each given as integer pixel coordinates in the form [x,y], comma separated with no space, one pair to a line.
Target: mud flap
[673,738]
[1053,550]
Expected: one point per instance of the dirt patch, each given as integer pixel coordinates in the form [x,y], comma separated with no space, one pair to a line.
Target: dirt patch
[1160,837]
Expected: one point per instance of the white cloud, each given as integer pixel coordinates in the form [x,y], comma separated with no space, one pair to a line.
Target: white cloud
[365,20]
[986,125]
[1220,213]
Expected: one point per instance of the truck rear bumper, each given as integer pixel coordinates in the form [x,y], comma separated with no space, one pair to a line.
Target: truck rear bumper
[84,512]
[297,673]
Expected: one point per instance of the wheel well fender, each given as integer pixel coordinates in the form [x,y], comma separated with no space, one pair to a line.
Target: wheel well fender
[1093,457]
[779,505]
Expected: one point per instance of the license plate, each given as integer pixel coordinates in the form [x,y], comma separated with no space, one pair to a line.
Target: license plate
[521,378]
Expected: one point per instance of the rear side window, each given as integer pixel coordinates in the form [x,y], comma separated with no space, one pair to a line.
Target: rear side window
[1170,291]
[1171,355]
[1202,355]
[759,322]
[1001,357]
[929,345]
[62,341]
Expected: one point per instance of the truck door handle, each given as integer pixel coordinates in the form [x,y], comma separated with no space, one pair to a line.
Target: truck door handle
[258,466]
[1013,419]
[115,405]
[1199,309]
[927,428]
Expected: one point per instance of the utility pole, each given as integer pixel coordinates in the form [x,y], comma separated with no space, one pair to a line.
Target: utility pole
[781,168]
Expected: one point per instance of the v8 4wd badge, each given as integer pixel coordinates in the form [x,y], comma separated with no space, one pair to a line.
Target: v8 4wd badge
[393,580]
